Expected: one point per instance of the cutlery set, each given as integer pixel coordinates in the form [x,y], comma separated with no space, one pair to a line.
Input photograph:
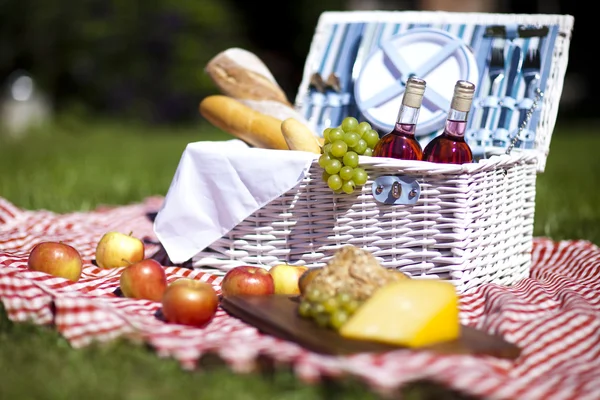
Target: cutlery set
[512,78]
[509,84]
[332,92]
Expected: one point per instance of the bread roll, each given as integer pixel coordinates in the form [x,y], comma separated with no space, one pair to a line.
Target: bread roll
[299,137]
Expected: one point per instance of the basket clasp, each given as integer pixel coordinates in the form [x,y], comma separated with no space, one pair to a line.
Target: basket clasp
[395,189]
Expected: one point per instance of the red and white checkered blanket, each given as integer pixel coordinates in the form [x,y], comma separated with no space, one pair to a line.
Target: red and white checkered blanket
[554,316]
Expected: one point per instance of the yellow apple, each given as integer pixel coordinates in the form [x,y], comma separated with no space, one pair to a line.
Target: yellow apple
[286,278]
[116,249]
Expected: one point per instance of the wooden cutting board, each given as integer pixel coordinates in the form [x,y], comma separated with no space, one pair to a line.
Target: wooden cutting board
[277,316]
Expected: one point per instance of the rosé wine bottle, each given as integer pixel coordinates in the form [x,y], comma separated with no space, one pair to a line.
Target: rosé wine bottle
[450,147]
[401,143]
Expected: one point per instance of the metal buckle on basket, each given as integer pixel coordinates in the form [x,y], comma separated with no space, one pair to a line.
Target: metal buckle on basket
[394,189]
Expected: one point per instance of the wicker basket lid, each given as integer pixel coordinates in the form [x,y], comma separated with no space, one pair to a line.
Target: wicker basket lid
[517,62]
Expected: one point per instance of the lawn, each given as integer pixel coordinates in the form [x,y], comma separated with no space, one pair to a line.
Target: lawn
[74,166]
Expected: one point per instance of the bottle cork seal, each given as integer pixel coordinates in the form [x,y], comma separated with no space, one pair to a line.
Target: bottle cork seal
[463,96]
[413,95]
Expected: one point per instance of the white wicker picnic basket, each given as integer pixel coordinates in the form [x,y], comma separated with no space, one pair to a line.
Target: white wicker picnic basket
[469,224]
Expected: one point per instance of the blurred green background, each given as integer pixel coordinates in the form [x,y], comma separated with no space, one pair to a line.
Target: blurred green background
[144,59]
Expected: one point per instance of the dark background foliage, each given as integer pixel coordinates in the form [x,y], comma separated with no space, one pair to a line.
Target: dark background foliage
[144,58]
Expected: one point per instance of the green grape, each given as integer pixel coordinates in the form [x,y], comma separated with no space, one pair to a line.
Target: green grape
[338,318]
[316,309]
[360,147]
[326,149]
[305,309]
[334,182]
[322,319]
[314,295]
[324,159]
[335,134]
[348,186]
[351,159]
[351,306]
[333,166]
[362,128]
[371,137]
[326,134]
[330,305]
[359,176]
[343,298]
[351,138]
[346,173]
[325,176]
[368,152]
[338,148]
[349,124]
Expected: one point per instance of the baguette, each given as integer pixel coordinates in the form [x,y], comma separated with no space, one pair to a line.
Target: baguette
[299,137]
[253,127]
[241,74]
[274,109]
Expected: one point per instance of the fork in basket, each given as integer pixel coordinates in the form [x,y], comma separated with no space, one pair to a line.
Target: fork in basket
[496,76]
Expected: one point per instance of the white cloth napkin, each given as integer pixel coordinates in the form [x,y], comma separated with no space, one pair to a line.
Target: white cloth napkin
[216,186]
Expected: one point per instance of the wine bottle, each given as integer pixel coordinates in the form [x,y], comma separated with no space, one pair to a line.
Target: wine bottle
[450,147]
[400,142]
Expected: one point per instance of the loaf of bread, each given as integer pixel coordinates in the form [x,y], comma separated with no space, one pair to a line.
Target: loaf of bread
[241,74]
[274,109]
[232,116]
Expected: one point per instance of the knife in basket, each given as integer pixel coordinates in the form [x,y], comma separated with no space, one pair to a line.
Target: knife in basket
[513,71]
[531,77]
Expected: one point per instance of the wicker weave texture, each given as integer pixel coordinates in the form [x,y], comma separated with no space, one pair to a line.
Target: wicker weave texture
[471,224]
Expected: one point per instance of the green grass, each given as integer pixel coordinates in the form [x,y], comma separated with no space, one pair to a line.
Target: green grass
[36,363]
[71,167]
[77,167]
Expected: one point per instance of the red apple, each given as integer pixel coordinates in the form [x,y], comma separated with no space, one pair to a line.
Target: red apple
[247,280]
[116,249]
[189,302]
[144,280]
[57,259]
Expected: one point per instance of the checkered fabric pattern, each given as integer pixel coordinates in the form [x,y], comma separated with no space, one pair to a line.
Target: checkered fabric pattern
[554,315]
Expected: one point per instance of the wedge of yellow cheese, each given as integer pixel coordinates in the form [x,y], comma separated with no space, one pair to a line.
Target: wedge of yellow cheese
[410,313]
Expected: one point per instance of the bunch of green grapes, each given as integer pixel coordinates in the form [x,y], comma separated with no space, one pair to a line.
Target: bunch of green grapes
[339,158]
[327,311]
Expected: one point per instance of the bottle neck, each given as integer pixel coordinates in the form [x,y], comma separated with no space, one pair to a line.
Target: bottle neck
[407,115]
[456,123]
